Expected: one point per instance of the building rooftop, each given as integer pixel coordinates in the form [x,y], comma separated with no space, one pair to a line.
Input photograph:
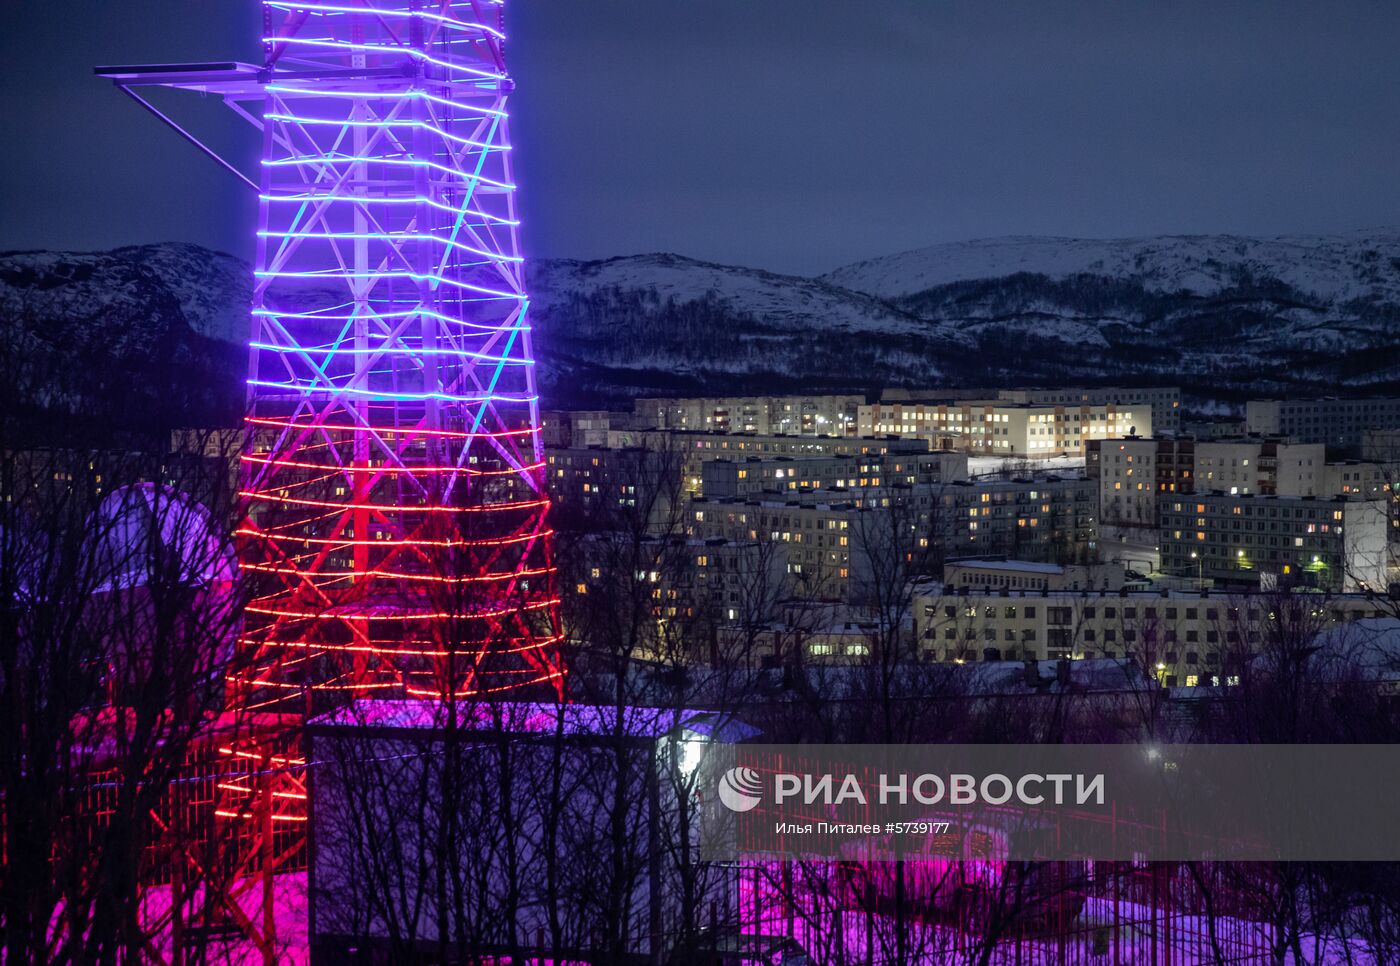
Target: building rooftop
[1017,566]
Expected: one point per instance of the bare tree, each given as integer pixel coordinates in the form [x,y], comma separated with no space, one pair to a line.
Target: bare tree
[120,615]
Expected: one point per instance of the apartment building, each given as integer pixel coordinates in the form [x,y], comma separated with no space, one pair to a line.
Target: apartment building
[837,543]
[1338,423]
[1134,475]
[1187,638]
[1129,474]
[728,479]
[694,449]
[703,583]
[826,549]
[1335,544]
[1164,401]
[1052,519]
[807,415]
[577,429]
[1381,445]
[998,428]
[1367,479]
[1254,465]
[615,484]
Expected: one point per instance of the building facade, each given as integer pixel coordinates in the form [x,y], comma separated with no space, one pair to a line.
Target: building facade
[808,415]
[1335,544]
[727,479]
[1338,423]
[1187,638]
[999,428]
[1165,401]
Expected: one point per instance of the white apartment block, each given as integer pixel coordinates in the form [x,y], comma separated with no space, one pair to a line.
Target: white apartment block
[997,428]
[1128,481]
[1260,466]
[1340,423]
[1367,479]
[1165,401]
[1134,475]
[819,415]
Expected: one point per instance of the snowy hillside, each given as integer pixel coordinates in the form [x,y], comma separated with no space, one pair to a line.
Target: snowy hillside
[1332,268]
[665,323]
[155,333]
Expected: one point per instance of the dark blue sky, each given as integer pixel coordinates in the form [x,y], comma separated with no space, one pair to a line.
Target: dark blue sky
[795,135]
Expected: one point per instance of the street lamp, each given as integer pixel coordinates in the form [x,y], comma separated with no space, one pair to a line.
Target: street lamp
[1200,570]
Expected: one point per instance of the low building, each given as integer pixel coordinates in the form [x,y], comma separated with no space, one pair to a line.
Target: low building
[1032,575]
[1330,543]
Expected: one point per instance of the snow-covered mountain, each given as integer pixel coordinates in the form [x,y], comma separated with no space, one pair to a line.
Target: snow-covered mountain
[1224,315]
[133,338]
[1359,266]
[665,323]
[154,332]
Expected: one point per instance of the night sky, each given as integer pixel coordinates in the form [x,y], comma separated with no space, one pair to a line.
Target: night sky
[795,135]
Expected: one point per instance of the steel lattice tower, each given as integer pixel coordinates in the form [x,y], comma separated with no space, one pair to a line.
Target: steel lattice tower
[393,477]
[395,535]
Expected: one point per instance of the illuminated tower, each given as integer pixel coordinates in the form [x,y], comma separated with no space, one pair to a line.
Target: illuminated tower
[396,503]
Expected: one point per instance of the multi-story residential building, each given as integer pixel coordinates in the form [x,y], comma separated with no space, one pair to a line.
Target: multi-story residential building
[1368,479]
[579,428]
[1338,423]
[999,428]
[838,542]
[1129,474]
[1165,401]
[1382,446]
[1135,474]
[1331,543]
[1051,519]
[613,484]
[817,415]
[694,449]
[1187,638]
[727,479]
[1252,465]
[1213,428]
[703,583]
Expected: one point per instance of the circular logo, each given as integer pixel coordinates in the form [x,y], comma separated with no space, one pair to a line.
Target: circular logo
[740,789]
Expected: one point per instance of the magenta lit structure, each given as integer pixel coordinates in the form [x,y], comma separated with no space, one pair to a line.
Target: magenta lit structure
[394,477]
[395,534]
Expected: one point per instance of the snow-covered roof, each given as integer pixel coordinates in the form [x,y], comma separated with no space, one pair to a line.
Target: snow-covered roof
[1015,566]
